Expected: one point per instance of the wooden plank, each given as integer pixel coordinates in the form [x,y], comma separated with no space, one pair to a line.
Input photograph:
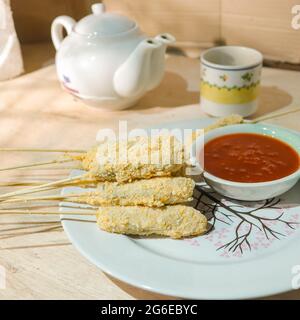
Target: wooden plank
[33,20]
[262,24]
[265,25]
[188,20]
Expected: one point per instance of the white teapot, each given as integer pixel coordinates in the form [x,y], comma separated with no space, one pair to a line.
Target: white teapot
[106,60]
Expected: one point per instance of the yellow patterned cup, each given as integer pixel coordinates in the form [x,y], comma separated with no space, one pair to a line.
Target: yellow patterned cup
[230,80]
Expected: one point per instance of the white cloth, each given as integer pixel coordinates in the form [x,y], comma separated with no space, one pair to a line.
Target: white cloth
[11,62]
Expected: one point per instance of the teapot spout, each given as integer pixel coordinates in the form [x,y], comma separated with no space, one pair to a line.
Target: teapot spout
[158,59]
[132,77]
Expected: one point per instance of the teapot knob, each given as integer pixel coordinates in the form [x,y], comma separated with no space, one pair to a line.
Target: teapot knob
[98,8]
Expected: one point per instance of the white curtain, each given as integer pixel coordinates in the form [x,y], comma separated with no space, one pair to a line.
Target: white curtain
[11,63]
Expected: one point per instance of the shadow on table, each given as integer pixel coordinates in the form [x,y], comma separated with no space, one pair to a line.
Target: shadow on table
[172,92]
[290,295]
[271,99]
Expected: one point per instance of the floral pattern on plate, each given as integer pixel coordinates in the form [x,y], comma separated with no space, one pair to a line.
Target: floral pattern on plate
[238,227]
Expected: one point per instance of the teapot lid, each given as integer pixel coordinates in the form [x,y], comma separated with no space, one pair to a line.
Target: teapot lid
[102,23]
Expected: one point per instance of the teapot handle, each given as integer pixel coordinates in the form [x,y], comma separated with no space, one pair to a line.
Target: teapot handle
[57,29]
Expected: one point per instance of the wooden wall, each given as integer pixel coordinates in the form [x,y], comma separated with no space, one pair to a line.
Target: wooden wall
[262,24]
[33,17]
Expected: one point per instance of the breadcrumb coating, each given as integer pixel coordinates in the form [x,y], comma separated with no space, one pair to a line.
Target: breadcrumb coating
[176,221]
[101,166]
[226,121]
[154,192]
[146,158]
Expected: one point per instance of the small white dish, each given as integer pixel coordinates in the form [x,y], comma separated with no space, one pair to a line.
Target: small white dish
[251,191]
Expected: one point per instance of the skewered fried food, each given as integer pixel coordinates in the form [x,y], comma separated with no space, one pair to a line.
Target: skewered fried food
[176,221]
[89,162]
[154,192]
[125,160]
[137,158]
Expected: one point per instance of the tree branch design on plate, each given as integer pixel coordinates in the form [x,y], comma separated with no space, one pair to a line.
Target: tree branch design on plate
[246,220]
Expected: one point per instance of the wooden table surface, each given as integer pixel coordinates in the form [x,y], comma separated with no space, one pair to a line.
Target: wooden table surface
[40,261]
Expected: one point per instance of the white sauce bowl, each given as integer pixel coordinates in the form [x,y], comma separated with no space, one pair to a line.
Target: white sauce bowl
[251,191]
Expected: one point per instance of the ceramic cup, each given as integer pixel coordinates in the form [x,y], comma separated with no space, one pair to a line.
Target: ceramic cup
[230,80]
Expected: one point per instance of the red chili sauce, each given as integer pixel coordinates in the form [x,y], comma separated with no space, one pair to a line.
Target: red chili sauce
[249,157]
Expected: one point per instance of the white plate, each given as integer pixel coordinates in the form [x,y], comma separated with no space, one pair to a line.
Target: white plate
[197,267]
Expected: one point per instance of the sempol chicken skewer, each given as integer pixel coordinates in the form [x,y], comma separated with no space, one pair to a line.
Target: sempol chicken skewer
[97,162]
[175,221]
[233,119]
[154,192]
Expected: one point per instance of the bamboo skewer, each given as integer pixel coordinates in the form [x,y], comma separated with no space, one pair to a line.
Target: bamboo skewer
[29,212]
[45,206]
[20,183]
[274,115]
[34,182]
[42,150]
[41,198]
[53,168]
[37,164]
[30,222]
[41,187]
